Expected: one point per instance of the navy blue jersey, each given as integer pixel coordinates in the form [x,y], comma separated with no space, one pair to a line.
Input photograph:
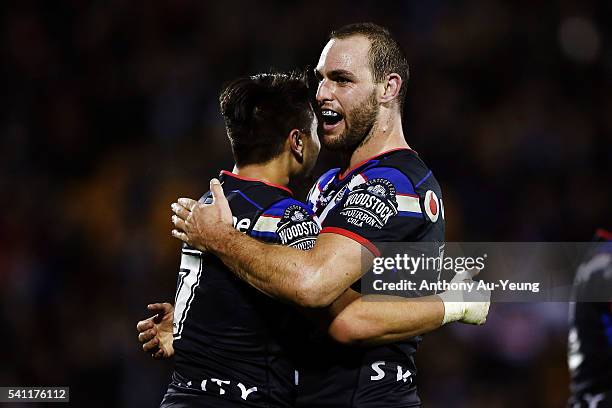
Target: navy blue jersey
[590,335]
[392,197]
[231,340]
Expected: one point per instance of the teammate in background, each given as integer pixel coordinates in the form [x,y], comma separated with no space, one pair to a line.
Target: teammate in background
[590,335]
[383,192]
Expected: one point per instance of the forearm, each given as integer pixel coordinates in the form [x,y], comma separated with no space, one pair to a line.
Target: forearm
[374,319]
[285,273]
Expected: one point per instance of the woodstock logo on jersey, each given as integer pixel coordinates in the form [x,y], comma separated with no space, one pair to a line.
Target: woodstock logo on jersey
[297,229]
[372,203]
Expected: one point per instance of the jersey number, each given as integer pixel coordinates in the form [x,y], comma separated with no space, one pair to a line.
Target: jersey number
[188,280]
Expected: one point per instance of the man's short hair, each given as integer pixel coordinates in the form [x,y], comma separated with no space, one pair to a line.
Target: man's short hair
[385,56]
[261,110]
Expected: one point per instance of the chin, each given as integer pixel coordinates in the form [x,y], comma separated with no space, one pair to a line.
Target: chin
[333,141]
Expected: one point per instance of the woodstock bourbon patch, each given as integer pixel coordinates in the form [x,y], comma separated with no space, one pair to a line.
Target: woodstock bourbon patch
[297,228]
[371,204]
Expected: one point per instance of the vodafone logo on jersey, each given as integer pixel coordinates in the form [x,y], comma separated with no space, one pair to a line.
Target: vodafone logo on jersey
[433,206]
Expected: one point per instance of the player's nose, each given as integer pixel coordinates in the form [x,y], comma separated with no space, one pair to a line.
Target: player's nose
[324,92]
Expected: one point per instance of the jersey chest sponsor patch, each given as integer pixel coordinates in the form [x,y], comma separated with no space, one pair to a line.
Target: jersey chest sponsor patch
[432,206]
[371,203]
[297,228]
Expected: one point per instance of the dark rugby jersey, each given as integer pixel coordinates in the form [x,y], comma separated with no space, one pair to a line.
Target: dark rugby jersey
[230,339]
[392,197]
[590,335]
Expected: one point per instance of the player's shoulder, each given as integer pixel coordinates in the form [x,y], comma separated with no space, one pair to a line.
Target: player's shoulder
[409,168]
[404,175]
[405,169]
[247,193]
[394,177]
[282,205]
[288,221]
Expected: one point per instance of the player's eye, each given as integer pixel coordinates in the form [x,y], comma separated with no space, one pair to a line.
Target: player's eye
[342,80]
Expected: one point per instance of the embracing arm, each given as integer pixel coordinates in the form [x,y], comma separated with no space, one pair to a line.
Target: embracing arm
[381,319]
[312,278]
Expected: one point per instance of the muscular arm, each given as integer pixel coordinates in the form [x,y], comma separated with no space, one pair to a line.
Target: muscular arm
[311,279]
[320,277]
[380,319]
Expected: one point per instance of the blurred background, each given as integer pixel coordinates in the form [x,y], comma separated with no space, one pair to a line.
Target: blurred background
[108,112]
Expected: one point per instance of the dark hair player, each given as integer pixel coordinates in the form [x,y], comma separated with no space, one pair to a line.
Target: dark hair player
[228,339]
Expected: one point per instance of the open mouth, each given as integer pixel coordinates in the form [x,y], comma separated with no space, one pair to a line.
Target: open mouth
[330,117]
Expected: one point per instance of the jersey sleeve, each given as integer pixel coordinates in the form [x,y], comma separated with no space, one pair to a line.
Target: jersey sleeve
[288,222]
[380,204]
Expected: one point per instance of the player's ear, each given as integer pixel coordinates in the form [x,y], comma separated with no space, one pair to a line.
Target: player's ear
[392,87]
[296,142]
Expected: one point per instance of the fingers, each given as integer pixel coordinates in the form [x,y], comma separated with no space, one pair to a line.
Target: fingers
[179,223]
[163,310]
[473,272]
[180,210]
[217,191]
[188,203]
[466,275]
[180,235]
[147,335]
[461,276]
[167,307]
[145,324]
[151,346]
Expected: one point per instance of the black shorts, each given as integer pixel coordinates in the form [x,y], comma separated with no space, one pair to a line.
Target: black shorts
[177,398]
[182,393]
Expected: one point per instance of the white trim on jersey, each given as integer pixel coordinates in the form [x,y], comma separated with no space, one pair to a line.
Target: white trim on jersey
[266,224]
[355,181]
[194,252]
[330,205]
[312,198]
[408,203]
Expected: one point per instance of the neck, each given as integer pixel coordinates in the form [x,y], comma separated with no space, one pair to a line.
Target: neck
[387,134]
[271,172]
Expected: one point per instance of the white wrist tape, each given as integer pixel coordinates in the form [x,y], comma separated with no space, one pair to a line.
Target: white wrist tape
[453,310]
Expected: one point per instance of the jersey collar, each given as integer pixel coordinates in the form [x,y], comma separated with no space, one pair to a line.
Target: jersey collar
[342,175]
[230,174]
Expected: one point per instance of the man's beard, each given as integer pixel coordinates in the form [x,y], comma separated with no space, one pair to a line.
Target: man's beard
[362,119]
